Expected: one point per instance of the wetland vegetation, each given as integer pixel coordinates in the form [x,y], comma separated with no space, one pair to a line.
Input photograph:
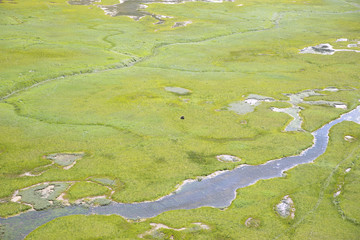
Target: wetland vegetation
[124,107]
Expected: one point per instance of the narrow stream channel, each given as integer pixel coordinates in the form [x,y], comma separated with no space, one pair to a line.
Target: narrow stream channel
[218,191]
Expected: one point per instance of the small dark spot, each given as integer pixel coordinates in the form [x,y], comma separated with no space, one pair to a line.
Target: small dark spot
[182,117]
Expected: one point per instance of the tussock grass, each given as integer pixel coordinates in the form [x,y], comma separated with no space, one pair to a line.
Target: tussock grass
[12,208]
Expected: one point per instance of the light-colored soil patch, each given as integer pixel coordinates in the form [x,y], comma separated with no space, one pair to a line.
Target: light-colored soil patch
[67,160]
[93,201]
[327,49]
[181,24]
[341,106]
[157,226]
[37,171]
[252,223]
[64,201]
[178,90]
[16,199]
[260,98]
[337,194]
[202,226]
[227,158]
[347,50]
[349,138]
[29,174]
[286,207]
[324,49]
[70,166]
[82,2]
[241,107]
[331,89]
[342,40]
[249,104]
[45,192]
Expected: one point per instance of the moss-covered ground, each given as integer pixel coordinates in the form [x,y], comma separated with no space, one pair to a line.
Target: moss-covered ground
[73,79]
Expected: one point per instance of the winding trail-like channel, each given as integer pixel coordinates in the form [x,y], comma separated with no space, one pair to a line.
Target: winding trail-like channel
[214,191]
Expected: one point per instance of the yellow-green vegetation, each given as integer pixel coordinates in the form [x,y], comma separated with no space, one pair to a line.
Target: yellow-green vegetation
[74,80]
[86,189]
[12,208]
[89,227]
[310,186]
[350,196]
[317,116]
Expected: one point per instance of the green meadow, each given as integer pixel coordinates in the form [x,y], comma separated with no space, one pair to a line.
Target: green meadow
[74,80]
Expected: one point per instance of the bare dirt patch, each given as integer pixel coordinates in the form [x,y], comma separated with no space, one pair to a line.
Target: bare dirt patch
[227,158]
[178,90]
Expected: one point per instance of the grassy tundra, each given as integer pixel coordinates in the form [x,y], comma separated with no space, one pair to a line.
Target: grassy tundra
[73,79]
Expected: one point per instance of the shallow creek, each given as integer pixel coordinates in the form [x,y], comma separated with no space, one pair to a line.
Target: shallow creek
[217,190]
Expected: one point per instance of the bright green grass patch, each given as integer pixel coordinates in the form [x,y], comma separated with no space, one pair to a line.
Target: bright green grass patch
[88,227]
[12,208]
[86,189]
[316,116]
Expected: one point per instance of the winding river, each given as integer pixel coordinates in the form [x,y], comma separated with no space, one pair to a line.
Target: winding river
[217,190]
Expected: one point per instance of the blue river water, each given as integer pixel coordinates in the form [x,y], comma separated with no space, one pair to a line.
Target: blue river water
[218,191]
